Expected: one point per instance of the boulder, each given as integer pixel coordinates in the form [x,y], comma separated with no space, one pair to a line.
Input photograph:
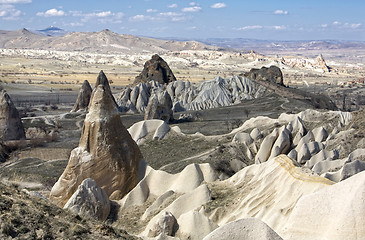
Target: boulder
[195,225]
[166,224]
[155,69]
[83,99]
[242,138]
[89,201]
[106,152]
[246,228]
[159,107]
[11,126]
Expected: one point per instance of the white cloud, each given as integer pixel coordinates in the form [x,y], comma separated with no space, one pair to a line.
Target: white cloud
[277,27]
[338,24]
[103,14]
[170,14]
[219,5]
[74,24]
[151,10]
[173,16]
[281,12]
[14,1]
[192,3]
[141,18]
[255,27]
[102,17]
[174,5]
[52,13]
[192,9]
[193,28]
[9,12]
[252,27]
[324,25]
[352,25]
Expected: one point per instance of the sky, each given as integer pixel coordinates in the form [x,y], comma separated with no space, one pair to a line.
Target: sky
[194,19]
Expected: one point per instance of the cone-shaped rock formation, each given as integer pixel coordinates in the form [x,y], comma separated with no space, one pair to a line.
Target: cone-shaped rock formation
[106,152]
[159,107]
[155,69]
[11,126]
[83,99]
[103,80]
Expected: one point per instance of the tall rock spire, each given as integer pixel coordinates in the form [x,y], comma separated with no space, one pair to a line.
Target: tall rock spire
[106,152]
[83,99]
[11,126]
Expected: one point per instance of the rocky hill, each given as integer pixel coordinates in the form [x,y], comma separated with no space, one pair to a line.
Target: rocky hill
[102,42]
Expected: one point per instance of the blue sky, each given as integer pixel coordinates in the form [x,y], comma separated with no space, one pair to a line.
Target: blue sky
[259,19]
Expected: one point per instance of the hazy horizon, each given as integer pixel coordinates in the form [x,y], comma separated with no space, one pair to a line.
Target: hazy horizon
[201,19]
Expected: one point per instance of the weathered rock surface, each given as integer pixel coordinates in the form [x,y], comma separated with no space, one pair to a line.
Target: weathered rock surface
[11,126]
[89,201]
[140,130]
[155,69]
[272,74]
[334,212]
[159,107]
[103,80]
[83,99]
[106,153]
[185,96]
[247,228]
[322,63]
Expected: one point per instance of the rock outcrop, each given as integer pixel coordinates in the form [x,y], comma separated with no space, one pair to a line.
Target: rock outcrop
[89,201]
[247,228]
[155,128]
[186,96]
[155,69]
[11,126]
[83,99]
[322,63]
[159,107]
[106,152]
[272,74]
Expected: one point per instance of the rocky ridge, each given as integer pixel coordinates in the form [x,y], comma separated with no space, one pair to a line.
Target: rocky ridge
[218,92]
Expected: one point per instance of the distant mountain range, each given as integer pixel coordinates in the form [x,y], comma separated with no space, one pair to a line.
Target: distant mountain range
[262,45]
[106,41]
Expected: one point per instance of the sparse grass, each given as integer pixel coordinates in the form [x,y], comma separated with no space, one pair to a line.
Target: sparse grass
[159,153]
[25,217]
[34,170]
